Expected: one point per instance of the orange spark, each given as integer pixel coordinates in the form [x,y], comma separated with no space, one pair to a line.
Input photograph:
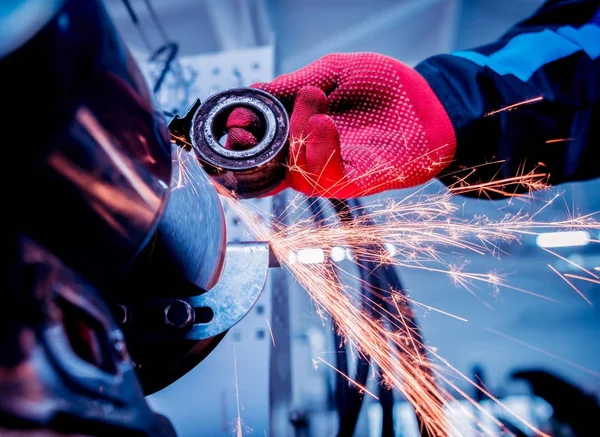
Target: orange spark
[533,181]
[350,380]
[454,316]
[180,139]
[594,281]
[238,429]
[559,140]
[583,296]
[414,228]
[572,263]
[422,229]
[514,106]
[488,394]
[270,332]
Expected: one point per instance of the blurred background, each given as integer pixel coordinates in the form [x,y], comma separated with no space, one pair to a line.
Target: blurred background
[264,369]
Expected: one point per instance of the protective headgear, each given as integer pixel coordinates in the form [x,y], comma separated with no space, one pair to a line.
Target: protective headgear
[95,225]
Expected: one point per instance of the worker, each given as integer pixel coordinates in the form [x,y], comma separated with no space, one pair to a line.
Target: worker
[362,123]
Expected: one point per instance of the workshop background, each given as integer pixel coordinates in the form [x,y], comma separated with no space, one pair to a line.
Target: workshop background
[264,368]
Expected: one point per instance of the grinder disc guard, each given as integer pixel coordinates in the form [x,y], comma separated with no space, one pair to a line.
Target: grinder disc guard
[188,287]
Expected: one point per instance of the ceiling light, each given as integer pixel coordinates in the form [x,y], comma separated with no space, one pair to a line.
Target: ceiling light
[338,253]
[563,239]
[310,256]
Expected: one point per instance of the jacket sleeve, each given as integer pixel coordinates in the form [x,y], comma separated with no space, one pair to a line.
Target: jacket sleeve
[527,102]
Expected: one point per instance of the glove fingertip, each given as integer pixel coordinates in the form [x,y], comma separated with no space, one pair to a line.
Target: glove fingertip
[242,118]
[323,155]
[309,102]
[240,139]
[322,137]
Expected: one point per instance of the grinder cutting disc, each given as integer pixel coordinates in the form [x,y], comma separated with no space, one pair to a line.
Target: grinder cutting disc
[252,172]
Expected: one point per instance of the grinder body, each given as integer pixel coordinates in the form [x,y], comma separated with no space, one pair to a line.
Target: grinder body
[249,173]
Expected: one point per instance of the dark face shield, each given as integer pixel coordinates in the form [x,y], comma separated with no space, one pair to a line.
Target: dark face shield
[89,157]
[64,364]
[117,260]
[91,216]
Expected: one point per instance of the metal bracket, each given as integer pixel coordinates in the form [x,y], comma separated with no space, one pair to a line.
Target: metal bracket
[211,313]
[241,283]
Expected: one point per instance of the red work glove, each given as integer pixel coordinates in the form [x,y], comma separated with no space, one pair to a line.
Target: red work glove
[361,123]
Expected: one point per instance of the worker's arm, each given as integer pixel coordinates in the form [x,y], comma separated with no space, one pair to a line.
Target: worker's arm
[548,66]
[363,123]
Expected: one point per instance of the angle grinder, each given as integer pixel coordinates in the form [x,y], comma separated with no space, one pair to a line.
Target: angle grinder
[249,173]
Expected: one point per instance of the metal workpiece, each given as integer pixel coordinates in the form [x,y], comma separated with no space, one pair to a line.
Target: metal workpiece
[168,336]
[242,281]
[252,172]
[213,312]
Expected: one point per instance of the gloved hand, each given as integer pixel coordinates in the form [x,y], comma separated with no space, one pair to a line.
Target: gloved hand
[361,123]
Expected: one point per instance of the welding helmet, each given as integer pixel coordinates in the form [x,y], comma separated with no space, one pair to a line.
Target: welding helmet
[115,240]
